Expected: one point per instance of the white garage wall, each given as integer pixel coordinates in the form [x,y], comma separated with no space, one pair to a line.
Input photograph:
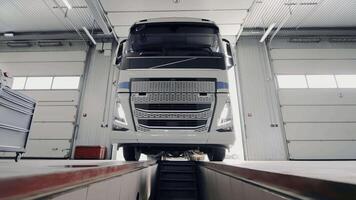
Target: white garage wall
[319,123]
[55,115]
[264,138]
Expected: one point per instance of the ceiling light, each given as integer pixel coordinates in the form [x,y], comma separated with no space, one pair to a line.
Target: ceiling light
[50,44]
[270,28]
[89,35]
[9,34]
[67,4]
[19,44]
[350,39]
[305,40]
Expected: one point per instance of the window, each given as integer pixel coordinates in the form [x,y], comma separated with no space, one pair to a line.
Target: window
[18,83]
[38,83]
[346,81]
[321,81]
[46,83]
[66,82]
[292,81]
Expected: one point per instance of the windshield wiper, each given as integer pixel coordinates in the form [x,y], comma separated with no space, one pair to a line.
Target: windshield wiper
[172,63]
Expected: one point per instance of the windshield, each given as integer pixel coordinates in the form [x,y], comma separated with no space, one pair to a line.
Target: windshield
[174,39]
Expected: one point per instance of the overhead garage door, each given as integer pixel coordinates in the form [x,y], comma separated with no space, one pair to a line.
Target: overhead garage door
[317,93]
[53,79]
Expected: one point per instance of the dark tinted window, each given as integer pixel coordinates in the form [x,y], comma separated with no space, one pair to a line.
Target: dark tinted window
[174,39]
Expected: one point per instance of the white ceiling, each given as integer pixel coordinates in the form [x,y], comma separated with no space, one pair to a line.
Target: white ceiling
[43,15]
[228,14]
[303,13]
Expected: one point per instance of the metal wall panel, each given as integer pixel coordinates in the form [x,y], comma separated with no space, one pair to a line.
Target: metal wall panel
[319,123]
[48,56]
[319,113]
[322,149]
[55,114]
[259,103]
[54,97]
[53,124]
[313,54]
[314,66]
[317,97]
[63,130]
[48,148]
[321,131]
[43,68]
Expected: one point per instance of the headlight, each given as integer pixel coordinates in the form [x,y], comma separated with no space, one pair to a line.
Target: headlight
[120,117]
[225,116]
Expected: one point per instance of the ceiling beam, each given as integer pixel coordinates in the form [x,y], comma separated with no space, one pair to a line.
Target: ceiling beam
[99,16]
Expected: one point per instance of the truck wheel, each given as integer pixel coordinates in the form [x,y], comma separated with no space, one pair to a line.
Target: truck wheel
[131,153]
[217,154]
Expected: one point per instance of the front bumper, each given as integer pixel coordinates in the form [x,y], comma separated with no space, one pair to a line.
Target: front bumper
[215,138]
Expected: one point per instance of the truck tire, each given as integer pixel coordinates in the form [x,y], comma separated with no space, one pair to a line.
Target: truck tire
[131,153]
[217,154]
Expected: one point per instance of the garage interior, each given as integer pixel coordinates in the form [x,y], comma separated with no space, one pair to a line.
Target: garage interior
[292,91]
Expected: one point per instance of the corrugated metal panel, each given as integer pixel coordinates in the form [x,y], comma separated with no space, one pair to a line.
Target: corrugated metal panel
[44,15]
[322,149]
[55,114]
[228,14]
[327,114]
[314,66]
[319,54]
[321,131]
[49,148]
[53,125]
[319,123]
[62,131]
[317,97]
[302,13]
[60,56]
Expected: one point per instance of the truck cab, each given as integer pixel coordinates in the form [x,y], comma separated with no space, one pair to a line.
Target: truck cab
[172,90]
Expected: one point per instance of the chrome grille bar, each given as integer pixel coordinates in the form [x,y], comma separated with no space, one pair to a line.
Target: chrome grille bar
[185,104]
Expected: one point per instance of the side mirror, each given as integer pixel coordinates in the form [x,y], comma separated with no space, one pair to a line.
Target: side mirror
[229,56]
[120,52]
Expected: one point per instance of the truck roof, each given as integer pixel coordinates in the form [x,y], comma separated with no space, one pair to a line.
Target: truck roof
[175,20]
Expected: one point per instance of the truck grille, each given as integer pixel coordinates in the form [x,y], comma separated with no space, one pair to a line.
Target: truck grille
[183,104]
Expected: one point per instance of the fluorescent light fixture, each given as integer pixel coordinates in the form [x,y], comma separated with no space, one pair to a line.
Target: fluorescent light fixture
[9,34]
[346,39]
[67,4]
[89,35]
[19,44]
[305,40]
[50,44]
[270,28]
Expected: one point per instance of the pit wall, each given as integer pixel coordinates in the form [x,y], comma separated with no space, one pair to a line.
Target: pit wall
[220,186]
[136,185]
